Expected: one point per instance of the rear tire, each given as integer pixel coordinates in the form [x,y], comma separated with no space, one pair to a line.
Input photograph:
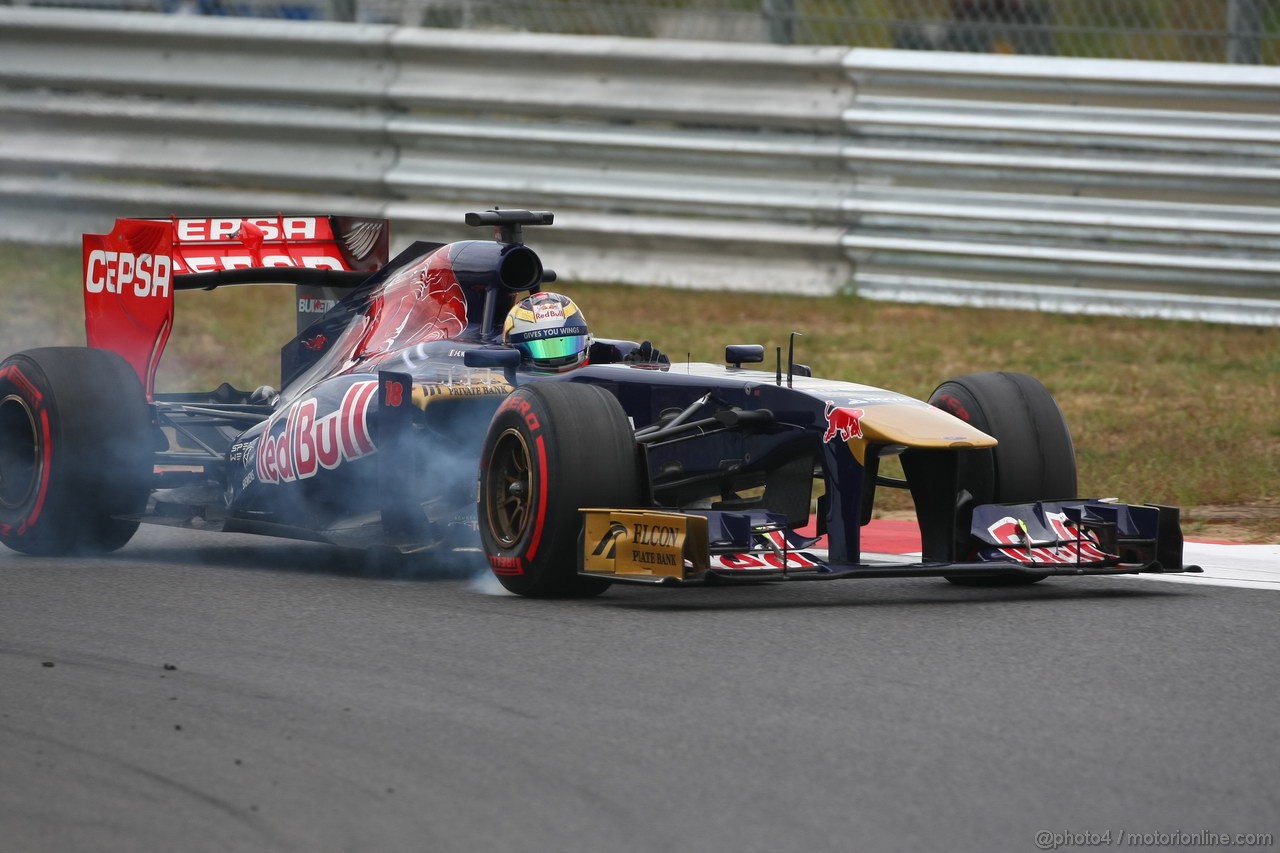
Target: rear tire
[1035,459]
[552,449]
[75,450]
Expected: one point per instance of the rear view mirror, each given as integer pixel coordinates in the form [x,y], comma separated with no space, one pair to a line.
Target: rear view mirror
[740,354]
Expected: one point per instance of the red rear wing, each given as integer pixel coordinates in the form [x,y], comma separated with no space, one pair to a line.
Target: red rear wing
[130,275]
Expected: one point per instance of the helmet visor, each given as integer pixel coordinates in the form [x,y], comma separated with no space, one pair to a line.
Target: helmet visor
[549,349]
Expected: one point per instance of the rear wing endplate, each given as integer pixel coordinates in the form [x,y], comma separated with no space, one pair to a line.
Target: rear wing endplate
[131,274]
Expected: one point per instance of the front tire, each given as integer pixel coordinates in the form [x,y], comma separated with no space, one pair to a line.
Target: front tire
[75,448]
[1035,459]
[552,449]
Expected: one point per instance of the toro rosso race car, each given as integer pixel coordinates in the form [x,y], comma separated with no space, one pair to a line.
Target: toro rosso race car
[405,419]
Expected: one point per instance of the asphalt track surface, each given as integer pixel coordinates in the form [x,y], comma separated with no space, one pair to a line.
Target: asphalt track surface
[201,692]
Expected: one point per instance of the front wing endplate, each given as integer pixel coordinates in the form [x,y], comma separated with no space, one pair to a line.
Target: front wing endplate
[644,544]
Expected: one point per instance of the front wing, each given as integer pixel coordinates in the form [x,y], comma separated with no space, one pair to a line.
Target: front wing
[1045,538]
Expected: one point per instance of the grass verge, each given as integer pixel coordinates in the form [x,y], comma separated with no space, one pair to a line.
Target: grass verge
[1167,412]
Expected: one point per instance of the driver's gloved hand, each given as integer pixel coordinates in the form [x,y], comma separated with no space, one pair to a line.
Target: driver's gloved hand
[646,353]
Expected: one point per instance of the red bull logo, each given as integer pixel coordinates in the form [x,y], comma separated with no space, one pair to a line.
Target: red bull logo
[310,442]
[547,311]
[842,421]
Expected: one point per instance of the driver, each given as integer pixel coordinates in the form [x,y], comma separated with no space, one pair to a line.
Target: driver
[551,334]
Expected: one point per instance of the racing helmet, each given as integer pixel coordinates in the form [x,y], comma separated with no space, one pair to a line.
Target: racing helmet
[549,331]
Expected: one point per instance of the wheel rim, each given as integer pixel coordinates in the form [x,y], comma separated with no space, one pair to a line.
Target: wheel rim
[19,453]
[509,489]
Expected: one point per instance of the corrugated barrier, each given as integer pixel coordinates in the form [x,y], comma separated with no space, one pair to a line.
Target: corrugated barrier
[1137,188]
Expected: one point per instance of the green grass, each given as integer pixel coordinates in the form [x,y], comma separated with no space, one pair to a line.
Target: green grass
[1180,413]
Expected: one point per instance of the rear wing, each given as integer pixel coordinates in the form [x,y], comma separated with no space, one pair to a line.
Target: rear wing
[131,274]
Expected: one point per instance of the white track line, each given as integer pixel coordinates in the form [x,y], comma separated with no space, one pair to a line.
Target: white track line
[1249,566]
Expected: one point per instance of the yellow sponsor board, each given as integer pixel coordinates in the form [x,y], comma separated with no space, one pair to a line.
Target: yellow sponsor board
[644,543]
[478,385]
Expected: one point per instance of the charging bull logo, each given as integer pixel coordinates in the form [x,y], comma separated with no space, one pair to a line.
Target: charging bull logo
[308,443]
[842,421]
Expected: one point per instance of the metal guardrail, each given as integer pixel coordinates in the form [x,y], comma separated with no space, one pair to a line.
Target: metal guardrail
[1144,187]
[1079,185]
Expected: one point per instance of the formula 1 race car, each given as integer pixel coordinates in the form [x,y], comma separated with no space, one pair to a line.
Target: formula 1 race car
[397,395]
